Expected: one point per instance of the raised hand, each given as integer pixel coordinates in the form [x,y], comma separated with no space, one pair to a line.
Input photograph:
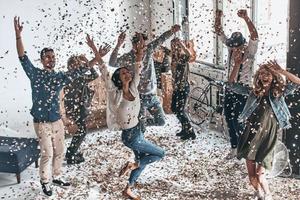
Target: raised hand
[90,43]
[242,14]
[274,67]
[175,28]
[121,38]
[104,49]
[18,26]
[140,48]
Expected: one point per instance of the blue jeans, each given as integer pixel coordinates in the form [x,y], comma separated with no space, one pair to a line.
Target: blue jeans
[144,151]
[151,104]
[233,107]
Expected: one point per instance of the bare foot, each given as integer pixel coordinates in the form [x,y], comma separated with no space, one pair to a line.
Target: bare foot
[127,193]
[127,168]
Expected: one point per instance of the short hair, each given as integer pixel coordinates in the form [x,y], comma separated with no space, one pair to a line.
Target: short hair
[136,38]
[44,51]
[116,78]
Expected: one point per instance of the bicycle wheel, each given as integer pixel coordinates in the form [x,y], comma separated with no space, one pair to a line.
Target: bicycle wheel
[197,105]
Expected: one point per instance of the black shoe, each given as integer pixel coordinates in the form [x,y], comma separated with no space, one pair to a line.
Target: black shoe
[190,135]
[46,188]
[181,133]
[75,159]
[61,182]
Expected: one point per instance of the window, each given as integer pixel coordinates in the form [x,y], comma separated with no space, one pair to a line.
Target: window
[272,25]
[201,23]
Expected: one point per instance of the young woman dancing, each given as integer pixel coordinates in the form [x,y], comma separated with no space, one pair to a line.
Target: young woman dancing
[264,113]
[181,56]
[123,113]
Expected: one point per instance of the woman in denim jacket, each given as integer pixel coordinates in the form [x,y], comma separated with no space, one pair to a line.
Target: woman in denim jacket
[264,113]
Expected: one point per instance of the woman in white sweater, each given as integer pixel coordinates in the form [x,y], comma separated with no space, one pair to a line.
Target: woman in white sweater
[123,114]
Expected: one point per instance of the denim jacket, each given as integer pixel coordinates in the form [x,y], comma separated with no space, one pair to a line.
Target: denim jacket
[278,105]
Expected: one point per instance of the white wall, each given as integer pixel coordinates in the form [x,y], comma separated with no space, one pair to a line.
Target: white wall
[44,25]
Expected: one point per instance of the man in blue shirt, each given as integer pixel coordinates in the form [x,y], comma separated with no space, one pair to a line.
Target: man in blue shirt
[46,85]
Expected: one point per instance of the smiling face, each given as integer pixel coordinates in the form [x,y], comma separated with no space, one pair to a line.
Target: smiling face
[265,77]
[125,75]
[48,60]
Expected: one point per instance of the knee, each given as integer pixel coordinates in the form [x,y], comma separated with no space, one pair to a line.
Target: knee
[46,155]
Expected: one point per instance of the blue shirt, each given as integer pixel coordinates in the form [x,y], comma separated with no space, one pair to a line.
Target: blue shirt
[278,105]
[45,86]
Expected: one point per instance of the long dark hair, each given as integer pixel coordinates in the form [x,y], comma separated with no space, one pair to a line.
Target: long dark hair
[116,78]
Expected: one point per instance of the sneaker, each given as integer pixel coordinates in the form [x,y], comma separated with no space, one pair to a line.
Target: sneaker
[190,135]
[46,188]
[61,182]
[232,154]
[75,159]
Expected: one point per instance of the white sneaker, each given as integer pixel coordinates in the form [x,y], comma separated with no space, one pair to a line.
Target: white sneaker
[232,154]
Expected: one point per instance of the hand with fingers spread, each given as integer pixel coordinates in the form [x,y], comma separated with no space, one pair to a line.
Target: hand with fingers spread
[140,48]
[18,27]
[104,49]
[18,31]
[121,39]
[274,67]
[90,43]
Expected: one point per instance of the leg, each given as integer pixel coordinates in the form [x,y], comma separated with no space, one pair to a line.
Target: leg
[176,108]
[58,141]
[156,110]
[251,167]
[77,139]
[44,133]
[18,175]
[148,153]
[262,179]
[240,104]
[143,114]
[231,120]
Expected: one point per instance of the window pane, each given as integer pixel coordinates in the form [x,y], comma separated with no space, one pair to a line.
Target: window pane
[272,28]
[201,18]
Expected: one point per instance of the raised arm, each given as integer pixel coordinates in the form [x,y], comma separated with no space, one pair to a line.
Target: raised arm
[114,55]
[218,26]
[162,38]
[253,32]
[139,54]
[18,31]
[276,68]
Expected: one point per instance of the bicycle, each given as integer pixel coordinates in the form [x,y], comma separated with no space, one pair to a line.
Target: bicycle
[199,102]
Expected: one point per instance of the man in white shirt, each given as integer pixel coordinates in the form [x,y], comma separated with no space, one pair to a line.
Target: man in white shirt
[241,57]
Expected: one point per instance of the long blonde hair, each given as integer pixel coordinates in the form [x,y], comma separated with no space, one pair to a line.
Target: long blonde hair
[277,86]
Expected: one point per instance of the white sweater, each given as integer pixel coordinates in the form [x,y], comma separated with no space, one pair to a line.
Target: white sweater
[121,114]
